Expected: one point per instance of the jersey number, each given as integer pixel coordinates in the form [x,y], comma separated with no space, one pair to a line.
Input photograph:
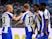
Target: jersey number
[30,19]
[3,21]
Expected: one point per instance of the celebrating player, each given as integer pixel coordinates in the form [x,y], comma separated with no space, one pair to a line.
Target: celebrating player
[27,19]
[46,20]
[38,20]
[7,17]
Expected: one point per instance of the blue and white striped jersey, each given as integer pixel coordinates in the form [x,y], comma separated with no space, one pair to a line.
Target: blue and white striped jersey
[39,24]
[42,24]
[44,15]
[47,16]
[6,19]
[27,18]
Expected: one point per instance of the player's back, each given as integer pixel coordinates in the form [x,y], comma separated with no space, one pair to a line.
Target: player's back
[28,19]
[6,19]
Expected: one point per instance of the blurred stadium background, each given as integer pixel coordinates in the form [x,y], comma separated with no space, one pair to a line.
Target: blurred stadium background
[18,7]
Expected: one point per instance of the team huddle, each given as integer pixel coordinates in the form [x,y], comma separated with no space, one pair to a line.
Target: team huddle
[40,17]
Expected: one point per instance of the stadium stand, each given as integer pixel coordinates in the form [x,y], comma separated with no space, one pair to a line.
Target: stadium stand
[18,8]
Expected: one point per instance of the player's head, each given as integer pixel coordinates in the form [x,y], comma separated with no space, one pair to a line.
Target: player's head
[26,6]
[36,7]
[42,6]
[9,8]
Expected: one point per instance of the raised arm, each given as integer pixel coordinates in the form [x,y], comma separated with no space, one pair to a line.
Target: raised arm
[16,18]
[39,17]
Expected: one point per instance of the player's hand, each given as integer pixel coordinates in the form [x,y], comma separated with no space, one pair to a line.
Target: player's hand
[15,25]
[33,32]
[36,14]
[46,33]
[15,15]
[21,14]
[39,32]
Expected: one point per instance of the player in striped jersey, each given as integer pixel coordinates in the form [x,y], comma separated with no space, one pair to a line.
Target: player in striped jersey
[7,17]
[27,18]
[46,20]
[38,20]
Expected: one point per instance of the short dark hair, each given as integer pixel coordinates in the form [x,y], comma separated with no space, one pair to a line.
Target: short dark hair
[43,4]
[36,5]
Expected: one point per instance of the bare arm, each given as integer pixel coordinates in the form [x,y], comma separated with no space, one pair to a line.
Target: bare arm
[20,22]
[16,18]
[35,28]
[38,17]
[46,24]
[46,27]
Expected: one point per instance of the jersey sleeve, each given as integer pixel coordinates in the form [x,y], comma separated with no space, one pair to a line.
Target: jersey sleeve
[10,15]
[46,14]
[23,17]
[34,17]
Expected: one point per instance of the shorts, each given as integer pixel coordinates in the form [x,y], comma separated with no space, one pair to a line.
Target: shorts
[7,35]
[28,34]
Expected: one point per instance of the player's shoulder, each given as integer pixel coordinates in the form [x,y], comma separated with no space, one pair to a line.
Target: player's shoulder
[7,13]
[4,13]
[46,10]
[30,13]
[24,13]
[40,12]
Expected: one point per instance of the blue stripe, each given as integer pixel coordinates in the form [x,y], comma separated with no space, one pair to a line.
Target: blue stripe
[40,22]
[10,16]
[45,25]
[24,17]
[3,28]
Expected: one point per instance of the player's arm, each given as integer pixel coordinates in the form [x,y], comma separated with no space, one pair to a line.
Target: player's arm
[35,27]
[21,21]
[16,18]
[46,23]
[34,22]
[38,17]
[46,17]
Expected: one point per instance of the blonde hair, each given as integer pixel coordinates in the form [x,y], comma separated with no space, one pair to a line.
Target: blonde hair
[27,6]
[9,5]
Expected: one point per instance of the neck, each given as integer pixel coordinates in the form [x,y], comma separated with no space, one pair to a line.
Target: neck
[27,10]
[36,11]
[8,11]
